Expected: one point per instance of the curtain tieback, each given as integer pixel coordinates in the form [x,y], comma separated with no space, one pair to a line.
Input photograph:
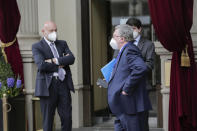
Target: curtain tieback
[185,60]
[4,45]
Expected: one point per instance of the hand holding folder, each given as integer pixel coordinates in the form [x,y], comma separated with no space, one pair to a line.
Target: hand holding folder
[107,69]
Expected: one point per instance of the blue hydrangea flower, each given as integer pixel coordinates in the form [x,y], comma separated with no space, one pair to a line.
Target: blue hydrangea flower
[0,85]
[10,82]
[18,83]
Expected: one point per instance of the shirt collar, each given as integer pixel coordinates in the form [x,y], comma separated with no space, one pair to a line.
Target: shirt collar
[137,40]
[47,41]
[123,46]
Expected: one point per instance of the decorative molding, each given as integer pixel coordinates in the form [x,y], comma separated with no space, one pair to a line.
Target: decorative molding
[25,45]
[160,50]
[165,90]
[78,87]
[27,57]
[29,91]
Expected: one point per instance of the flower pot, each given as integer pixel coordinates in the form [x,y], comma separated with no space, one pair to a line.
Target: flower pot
[15,114]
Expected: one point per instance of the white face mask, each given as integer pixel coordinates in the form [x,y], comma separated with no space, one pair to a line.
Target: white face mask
[52,36]
[114,44]
[135,34]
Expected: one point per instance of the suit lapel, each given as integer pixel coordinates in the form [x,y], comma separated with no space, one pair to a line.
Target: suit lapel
[141,43]
[118,59]
[58,48]
[47,48]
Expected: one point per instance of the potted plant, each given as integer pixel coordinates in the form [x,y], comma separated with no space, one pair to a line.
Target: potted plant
[11,89]
[9,84]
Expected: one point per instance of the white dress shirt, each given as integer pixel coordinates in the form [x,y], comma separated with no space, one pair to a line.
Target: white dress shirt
[49,43]
[137,40]
[57,63]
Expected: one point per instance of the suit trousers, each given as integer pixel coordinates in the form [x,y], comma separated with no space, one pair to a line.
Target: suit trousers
[129,122]
[146,125]
[60,98]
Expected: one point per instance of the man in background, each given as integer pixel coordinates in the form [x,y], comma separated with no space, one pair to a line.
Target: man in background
[148,53]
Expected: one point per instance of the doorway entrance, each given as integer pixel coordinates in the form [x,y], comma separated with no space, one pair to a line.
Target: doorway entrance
[103,16]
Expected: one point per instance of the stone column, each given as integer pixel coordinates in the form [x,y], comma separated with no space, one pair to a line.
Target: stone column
[166,65]
[165,57]
[27,35]
[68,19]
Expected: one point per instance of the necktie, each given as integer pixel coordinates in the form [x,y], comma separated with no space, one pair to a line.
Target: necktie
[54,51]
[61,74]
[61,71]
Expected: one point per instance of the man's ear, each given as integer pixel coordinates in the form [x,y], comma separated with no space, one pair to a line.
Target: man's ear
[122,39]
[140,29]
[42,31]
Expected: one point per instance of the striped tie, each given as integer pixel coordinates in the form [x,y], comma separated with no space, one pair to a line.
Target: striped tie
[61,71]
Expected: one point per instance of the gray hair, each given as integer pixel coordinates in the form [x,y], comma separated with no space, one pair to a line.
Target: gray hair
[125,31]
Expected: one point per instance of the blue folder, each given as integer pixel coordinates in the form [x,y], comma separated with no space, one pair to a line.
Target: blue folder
[107,69]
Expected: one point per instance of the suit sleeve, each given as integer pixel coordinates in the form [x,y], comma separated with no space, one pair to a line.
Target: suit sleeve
[150,55]
[68,58]
[137,70]
[40,61]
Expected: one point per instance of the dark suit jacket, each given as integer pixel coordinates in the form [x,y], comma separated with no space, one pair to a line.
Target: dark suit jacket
[147,49]
[41,52]
[129,76]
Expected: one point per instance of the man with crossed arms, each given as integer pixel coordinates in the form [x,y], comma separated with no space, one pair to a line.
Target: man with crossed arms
[53,81]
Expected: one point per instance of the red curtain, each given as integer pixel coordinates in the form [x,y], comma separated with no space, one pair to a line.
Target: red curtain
[172,21]
[9,24]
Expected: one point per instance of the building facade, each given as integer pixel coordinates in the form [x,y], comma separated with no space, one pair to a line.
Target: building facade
[86,26]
